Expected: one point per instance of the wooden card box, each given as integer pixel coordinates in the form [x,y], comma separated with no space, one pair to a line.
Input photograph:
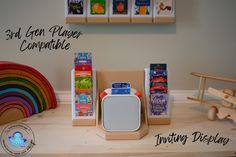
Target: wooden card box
[157,119]
[80,120]
[136,79]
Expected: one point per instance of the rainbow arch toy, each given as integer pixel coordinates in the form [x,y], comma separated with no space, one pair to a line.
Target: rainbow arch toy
[23,92]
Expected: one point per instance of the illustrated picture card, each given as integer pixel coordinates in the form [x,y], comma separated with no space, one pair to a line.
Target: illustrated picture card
[97,8]
[142,8]
[75,8]
[119,8]
[164,8]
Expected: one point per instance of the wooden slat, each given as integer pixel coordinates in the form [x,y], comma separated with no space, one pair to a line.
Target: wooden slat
[222,95]
[119,20]
[213,77]
[164,20]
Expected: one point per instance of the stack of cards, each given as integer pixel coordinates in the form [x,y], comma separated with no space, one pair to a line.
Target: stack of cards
[158,89]
[83,84]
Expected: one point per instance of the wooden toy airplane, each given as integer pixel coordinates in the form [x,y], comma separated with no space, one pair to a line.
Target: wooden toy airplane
[227,107]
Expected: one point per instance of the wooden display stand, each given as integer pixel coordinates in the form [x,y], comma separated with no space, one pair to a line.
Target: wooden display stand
[84,122]
[102,81]
[80,120]
[136,79]
[160,119]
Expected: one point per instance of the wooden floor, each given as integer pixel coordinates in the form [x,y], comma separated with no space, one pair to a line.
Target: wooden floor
[55,136]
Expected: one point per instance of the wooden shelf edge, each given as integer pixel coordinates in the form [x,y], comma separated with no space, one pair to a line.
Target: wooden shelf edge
[97,20]
[163,20]
[119,20]
[84,122]
[75,20]
[140,20]
[159,121]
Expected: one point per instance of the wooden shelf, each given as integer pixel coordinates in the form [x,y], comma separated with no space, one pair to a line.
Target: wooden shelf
[55,136]
[164,20]
[75,20]
[97,20]
[154,15]
[117,20]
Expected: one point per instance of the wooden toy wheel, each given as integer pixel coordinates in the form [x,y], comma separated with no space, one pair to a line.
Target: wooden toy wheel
[212,113]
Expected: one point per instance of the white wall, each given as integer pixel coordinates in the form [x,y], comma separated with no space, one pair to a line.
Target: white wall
[203,39]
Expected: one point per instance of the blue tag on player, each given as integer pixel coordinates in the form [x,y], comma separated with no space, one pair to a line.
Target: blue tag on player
[120,91]
[120,88]
[120,85]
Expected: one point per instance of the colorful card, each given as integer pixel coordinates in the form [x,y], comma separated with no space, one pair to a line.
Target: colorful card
[142,7]
[83,59]
[158,67]
[158,104]
[164,7]
[83,104]
[75,7]
[83,84]
[120,7]
[98,7]
[157,87]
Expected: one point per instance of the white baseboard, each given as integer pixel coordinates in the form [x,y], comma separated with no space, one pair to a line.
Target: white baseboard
[64,97]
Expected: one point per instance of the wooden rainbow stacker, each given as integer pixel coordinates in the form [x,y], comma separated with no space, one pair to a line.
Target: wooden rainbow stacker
[223,110]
